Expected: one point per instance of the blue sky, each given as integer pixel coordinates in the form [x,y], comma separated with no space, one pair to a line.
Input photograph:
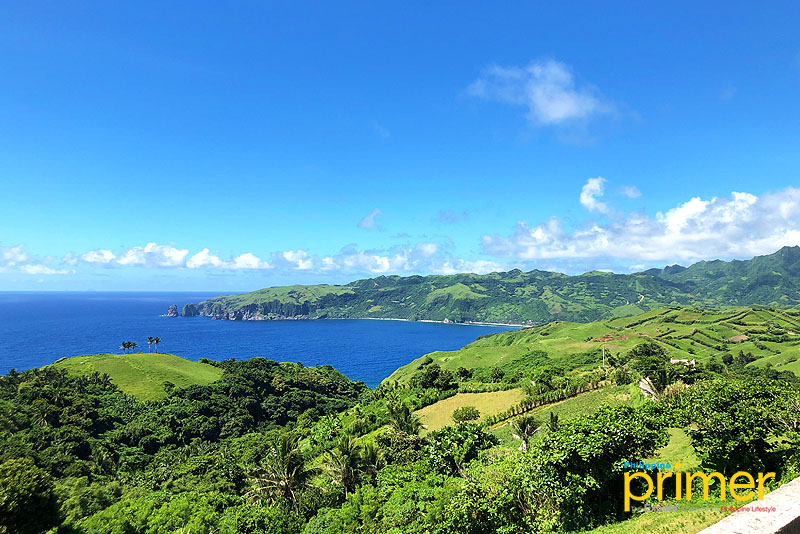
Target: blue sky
[205,146]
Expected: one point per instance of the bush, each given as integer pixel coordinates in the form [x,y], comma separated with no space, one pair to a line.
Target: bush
[466,413]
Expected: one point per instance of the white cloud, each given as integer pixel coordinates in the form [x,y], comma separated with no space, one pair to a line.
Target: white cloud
[370,221]
[477,267]
[41,269]
[298,259]
[427,249]
[15,259]
[592,189]
[547,88]
[630,191]
[98,256]
[739,226]
[154,255]
[204,259]
[11,256]
[247,261]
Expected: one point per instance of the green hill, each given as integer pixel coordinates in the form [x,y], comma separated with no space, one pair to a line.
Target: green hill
[144,374]
[532,297]
[772,336]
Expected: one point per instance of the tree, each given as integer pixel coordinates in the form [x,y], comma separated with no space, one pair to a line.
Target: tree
[150,341]
[132,345]
[463,374]
[156,340]
[28,503]
[451,448]
[401,417]
[343,463]
[282,474]
[466,413]
[497,374]
[570,480]
[553,425]
[732,422]
[351,464]
[524,427]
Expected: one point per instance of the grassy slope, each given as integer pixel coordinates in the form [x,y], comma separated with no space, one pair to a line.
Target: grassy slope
[684,332]
[286,294]
[584,403]
[440,414]
[143,374]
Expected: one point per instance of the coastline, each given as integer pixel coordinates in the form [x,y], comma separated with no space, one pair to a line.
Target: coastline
[471,323]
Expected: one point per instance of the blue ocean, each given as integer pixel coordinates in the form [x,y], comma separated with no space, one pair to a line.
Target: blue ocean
[38,328]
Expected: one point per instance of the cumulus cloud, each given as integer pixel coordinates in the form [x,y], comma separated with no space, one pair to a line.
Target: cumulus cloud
[546,88]
[11,256]
[370,222]
[154,255]
[99,256]
[630,191]
[298,259]
[741,225]
[16,260]
[591,191]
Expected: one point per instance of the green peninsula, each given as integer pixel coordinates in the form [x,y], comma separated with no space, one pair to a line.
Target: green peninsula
[518,297]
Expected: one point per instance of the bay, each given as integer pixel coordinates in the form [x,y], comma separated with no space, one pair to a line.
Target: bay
[37,328]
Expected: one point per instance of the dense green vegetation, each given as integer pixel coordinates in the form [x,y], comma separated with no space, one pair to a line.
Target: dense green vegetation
[272,447]
[143,375]
[525,297]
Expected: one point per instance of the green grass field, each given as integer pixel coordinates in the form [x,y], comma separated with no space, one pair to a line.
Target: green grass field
[440,414]
[666,522]
[678,449]
[686,333]
[143,375]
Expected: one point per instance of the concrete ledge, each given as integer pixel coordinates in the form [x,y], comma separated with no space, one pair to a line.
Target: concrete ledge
[783,516]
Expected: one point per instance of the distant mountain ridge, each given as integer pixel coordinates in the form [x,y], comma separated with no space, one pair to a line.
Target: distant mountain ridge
[523,297]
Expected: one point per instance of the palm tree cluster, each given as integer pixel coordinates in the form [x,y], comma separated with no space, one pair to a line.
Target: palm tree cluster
[128,345]
[153,341]
[131,345]
[350,463]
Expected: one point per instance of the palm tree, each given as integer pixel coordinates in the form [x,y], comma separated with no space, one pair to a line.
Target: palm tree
[372,460]
[132,345]
[282,474]
[156,340]
[150,341]
[402,418]
[553,424]
[125,346]
[524,427]
[344,463]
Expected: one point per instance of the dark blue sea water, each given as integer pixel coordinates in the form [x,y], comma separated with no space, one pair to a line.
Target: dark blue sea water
[38,328]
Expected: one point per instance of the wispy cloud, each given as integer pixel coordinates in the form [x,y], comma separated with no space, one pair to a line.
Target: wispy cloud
[630,191]
[741,225]
[370,222]
[451,216]
[546,88]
